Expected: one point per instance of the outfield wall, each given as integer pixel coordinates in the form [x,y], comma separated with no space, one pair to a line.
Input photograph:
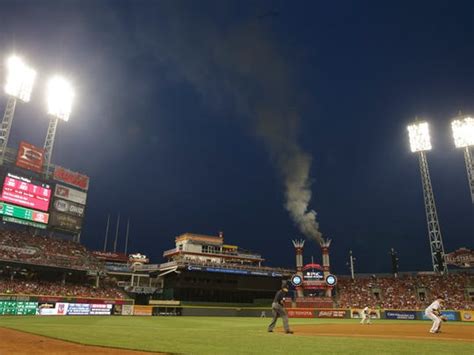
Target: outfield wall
[56,305]
[354,313]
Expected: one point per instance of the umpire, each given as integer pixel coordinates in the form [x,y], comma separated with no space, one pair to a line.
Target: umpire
[278,310]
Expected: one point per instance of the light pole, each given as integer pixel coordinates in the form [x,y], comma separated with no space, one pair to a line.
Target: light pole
[59,97]
[420,143]
[19,84]
[463,134]
[351,264]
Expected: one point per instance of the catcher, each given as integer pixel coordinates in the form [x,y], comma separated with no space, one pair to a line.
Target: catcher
[433,312]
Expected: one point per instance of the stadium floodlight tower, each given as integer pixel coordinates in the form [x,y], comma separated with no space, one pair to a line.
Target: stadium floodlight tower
[420,143]
[18,86]
[463,133]
[60,96]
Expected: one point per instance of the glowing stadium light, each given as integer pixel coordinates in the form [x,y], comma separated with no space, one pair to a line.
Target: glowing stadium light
[419,137]
[463,132]
[419,134]
[60,98]
[20,79]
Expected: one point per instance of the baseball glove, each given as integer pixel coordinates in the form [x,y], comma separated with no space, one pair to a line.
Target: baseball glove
[444,318]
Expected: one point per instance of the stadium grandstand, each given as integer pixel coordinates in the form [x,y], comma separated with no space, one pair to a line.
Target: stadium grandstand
[407,291]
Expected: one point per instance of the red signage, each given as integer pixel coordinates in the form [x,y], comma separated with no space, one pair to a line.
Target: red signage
[30,157]
[463,257]
[21,191]
[300,313]
[71,177]
[108,256]
[331,313]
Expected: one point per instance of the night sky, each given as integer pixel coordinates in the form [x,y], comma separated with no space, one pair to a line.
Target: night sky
[187,114]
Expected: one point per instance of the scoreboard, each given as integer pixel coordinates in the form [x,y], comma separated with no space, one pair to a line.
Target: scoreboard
[23,192]
[18,307]
[32,202]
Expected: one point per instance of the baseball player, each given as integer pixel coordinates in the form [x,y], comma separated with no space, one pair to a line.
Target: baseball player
[365,315]
[433,312]
[278,310]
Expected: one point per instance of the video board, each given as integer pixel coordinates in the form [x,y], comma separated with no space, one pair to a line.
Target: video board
[18,308]
[24,192]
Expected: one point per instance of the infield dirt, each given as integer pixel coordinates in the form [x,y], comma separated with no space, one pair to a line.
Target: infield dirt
[450,331]
[15,342]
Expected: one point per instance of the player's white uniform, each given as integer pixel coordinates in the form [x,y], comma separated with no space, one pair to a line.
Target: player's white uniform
[365,316]
[429,312]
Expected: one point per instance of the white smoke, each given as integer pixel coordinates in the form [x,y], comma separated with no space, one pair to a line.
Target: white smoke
[241,68]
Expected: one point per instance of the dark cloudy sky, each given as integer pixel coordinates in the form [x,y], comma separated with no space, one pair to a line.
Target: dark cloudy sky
[194,116]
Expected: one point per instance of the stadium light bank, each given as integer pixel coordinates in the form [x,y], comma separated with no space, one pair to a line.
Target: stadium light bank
[60,97]
[420,142]
[463,134]
[19,85]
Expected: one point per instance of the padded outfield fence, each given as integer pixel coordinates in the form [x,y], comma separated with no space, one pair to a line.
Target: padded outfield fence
[354,313]
[54,305]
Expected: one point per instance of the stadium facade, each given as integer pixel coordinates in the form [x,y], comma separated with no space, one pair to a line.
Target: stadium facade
[202,268]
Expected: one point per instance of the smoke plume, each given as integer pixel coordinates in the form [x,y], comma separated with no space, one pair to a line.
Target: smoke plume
[239,67]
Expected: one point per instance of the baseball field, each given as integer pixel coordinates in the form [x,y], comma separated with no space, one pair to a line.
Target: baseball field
[226,335]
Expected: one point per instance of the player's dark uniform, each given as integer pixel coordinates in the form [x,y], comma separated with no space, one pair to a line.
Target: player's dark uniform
[279,311]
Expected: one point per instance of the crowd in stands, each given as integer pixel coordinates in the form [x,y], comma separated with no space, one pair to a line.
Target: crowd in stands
[406,292]
[48,288]
[23,246]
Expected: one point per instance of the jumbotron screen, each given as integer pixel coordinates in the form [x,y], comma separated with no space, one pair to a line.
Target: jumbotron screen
[23,192]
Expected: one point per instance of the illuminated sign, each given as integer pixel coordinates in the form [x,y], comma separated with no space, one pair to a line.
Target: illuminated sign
[313,275]
[30,157]
[22,191]
[296,280]
[70,194]
[18,307]
[23,213]
[24,222]
[68,207]
[71,177]
[65,222]
[331,280]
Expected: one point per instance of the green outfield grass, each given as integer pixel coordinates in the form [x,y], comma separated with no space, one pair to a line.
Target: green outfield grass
[219,335]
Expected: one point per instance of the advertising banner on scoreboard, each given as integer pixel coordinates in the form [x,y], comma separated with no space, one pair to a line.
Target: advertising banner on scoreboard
[70,194]
[68,207]
[23,213]
[24,222]
[22,191]
[71,177]
[65,222]
[30,157]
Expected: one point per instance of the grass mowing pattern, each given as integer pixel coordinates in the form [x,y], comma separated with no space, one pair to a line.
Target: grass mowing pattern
[218,335]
